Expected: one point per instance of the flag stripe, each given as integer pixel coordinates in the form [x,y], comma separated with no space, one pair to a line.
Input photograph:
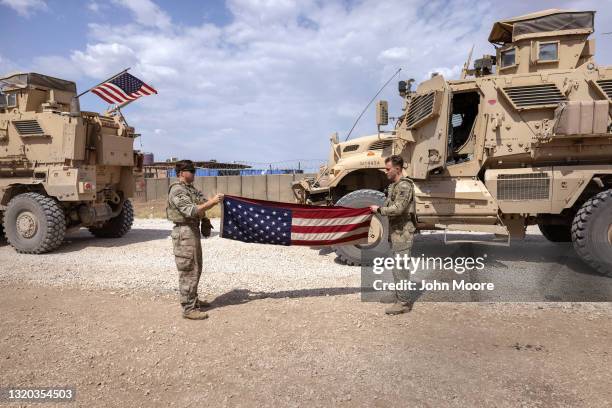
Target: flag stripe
[118,91]
[331,212]
[102,95]
[328,236]
[113,95]
[331,221]
[295,207]
[148,88]
[353,239]
[330,228]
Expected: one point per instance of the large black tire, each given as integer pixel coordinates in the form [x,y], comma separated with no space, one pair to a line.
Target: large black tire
[1,229]
[364,254]
[592,232]
[118,226]
[556,233]
[34,223]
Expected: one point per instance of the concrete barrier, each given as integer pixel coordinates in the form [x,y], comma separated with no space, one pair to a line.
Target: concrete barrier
[273,187]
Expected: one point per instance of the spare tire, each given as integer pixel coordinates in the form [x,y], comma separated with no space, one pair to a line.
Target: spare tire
[378,244]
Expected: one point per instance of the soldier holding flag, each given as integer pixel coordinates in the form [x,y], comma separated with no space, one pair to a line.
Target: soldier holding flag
[186,207]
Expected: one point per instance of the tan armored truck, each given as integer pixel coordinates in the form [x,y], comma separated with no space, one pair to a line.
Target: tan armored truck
[60,168]
[523,138]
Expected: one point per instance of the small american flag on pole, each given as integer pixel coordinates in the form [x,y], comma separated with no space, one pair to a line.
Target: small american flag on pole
[270,222]
[123,88]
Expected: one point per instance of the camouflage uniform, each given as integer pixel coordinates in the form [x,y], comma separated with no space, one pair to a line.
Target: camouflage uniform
[399,207]
[183,200]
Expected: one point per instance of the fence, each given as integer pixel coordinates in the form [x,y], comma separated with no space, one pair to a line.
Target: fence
[273,187]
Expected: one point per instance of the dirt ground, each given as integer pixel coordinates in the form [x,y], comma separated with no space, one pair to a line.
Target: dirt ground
[133,349]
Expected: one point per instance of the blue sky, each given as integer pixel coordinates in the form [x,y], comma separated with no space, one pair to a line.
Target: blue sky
[259,81]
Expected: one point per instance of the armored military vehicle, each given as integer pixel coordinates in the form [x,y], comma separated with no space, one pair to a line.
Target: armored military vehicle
[523,138]
[60,168]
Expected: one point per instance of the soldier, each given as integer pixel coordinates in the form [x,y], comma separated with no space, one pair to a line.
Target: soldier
[399,208]
[186,207]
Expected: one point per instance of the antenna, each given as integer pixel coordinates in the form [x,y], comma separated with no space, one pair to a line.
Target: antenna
[369,103]
[466,66]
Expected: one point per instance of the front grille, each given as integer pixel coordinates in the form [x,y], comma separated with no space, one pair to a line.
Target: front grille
[529,186]
[28,128]
[535,96]
[606,86]
[421,106]
[381,144]
[350,148]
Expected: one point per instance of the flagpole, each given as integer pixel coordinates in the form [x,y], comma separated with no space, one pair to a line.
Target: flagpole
[109,79]
[118,107]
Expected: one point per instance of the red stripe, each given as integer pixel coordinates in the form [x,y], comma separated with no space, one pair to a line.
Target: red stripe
[148,88]
[328,228]
[330,241]
[116,90]
[101,94]
[113,95]
[294,207]
[330,212]
[299,207]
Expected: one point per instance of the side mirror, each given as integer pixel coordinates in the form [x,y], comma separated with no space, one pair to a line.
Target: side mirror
[382,113]
[402,86]
[334,138]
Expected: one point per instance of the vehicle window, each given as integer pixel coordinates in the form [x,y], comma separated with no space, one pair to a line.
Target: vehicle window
[11,100]
[548,52]
[508,58]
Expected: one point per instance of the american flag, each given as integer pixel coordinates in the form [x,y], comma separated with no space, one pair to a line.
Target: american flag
[123,88]
[269,222]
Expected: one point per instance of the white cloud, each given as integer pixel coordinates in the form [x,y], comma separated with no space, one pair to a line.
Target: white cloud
[281,76]
[146,12]
[99,60]
[25,8]
[394,54]
[93,6]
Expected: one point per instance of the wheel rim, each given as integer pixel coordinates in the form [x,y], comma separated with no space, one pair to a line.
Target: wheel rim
[26,224]
[610,234]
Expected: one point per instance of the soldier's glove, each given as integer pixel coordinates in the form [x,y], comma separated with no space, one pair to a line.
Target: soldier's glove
[206,227]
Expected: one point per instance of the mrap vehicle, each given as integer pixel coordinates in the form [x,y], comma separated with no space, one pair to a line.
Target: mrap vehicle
[523,138]
[60,168]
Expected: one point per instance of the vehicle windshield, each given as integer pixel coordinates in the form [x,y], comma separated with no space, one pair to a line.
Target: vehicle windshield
[556,22]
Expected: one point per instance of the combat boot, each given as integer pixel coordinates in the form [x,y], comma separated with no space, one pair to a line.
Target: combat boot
[195,314]
[398,308]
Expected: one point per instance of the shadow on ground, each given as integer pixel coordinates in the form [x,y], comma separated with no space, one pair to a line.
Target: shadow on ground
[241,296]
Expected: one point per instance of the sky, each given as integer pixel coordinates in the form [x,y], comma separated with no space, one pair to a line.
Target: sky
[264,82]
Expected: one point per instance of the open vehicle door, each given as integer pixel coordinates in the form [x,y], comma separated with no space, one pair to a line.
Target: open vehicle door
[427,121]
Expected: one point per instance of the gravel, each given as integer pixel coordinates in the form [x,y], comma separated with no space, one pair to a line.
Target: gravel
[143,260]
[530,270]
